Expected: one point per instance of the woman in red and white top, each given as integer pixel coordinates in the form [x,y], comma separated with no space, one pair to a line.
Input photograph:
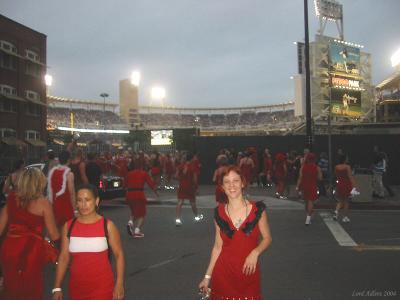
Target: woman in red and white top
[61,190]
[87,239]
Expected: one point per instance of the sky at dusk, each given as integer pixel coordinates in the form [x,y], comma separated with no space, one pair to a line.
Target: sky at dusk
[205,53]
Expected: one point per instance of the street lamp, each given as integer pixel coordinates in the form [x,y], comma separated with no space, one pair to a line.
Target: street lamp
[158,93]
[104,95]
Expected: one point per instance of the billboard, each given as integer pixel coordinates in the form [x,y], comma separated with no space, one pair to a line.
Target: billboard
[344,60]
[346,102]
[161,137]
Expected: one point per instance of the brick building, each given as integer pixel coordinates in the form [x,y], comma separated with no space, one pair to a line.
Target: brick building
[22,93]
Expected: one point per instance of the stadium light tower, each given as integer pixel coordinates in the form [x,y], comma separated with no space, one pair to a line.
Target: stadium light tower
[135,78]
[158,94]
[48,80]
[104,95]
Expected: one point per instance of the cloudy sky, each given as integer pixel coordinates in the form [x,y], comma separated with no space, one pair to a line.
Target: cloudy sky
[209,53]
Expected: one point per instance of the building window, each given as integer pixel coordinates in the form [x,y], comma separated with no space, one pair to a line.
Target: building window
[33,69]
[8,90]
[7,105]
[33,110]
[7,132]
[7,46]
[8,61]
[31,95]
[32,135]
[32,55]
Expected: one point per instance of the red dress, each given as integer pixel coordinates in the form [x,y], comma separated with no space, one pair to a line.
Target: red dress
[21,255]
[187,188]
[135,196]
[228,280]
[91,276]
[247,170]
[59,195]
[344,186]
[220,195]
[309,182]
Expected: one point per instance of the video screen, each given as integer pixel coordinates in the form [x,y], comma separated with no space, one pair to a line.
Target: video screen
[161,137]
[344,60]
[346,103]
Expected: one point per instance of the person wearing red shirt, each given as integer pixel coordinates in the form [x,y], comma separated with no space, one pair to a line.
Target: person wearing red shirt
[309,175]
[187,178]
[136,198]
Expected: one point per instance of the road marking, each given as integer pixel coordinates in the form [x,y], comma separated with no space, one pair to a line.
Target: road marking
[341,236]
[162,263]
[362,247]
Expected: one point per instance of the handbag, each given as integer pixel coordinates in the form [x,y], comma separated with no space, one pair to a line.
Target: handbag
[204,295]
[50,252]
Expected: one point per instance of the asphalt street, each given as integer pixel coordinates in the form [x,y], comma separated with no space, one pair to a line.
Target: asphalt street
[326,260]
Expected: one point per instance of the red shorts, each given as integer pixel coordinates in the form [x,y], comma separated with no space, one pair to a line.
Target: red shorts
[138,208]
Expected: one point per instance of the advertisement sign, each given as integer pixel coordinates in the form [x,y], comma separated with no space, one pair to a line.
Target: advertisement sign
[344,60]
[346,102]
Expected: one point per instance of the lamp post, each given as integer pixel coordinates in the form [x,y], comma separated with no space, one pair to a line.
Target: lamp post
[309,137]
[104,95]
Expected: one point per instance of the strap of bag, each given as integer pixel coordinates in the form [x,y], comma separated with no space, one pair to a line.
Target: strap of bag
[70,228]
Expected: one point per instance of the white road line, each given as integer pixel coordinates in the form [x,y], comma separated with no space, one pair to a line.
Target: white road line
[341,236]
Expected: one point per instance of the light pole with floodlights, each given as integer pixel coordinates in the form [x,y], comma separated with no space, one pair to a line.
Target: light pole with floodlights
[104,95]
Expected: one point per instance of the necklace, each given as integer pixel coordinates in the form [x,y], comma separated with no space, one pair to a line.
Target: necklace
[239,221]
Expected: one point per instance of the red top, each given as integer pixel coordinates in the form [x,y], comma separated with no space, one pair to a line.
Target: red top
[309,181]
[228,280]
[135,180]
[267,165]
[91,275]
[187,187]
[21,253]
[344,186]
[59,194]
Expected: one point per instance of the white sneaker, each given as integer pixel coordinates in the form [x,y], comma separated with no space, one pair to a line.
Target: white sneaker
[129,228]
[346,220]
[308,220]
[178,222]
[198,218]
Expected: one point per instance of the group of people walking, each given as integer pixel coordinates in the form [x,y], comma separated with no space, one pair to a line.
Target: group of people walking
[69,216]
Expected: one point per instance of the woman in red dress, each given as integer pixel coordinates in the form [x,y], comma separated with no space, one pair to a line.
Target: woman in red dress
[280,174]
[136,198]
[220,196]
[309,175]
[26,212]
[61,190]
[88,239]
[233,269]
[169,170]
[345,183]
[187,178]
[246,165]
